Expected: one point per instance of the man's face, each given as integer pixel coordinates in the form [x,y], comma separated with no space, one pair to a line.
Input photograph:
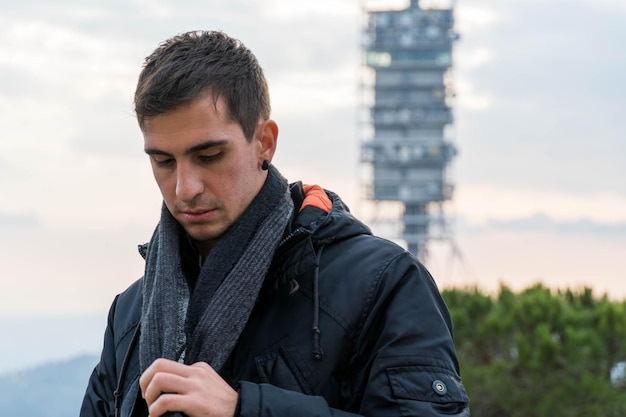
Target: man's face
[207,171]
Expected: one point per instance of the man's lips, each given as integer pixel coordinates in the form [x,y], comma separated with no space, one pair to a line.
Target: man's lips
[195,216]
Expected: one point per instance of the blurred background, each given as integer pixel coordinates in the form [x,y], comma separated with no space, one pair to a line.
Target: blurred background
[540,189]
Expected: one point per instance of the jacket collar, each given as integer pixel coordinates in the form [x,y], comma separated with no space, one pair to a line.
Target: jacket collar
[320,217]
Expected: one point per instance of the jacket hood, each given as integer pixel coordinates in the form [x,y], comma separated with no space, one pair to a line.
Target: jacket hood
[320,218]
[321,215]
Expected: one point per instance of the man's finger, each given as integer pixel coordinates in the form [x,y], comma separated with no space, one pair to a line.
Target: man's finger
[167,403]
[165,383]
[163,370]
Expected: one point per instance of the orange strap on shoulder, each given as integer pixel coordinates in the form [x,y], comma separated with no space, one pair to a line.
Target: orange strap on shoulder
[316,197]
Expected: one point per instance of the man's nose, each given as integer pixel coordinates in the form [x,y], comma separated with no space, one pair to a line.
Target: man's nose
[189,183]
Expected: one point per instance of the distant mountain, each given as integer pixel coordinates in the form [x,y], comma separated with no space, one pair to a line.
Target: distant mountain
[39,339]
[50,390]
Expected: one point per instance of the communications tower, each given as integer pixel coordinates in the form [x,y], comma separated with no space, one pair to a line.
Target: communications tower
[406,141]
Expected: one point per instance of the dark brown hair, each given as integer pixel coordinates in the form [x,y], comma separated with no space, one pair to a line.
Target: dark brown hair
[189,65]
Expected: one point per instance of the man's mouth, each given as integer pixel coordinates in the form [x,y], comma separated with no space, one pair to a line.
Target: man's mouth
[196,216]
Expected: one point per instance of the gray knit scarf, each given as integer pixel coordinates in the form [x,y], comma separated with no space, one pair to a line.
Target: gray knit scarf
[204,324]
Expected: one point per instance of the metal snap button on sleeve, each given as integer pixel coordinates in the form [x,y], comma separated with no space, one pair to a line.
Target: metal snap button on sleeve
[439,387]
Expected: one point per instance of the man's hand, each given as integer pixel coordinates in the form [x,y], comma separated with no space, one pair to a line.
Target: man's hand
[196,390]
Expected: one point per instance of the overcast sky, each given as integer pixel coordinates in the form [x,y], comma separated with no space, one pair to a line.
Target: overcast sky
[539,123]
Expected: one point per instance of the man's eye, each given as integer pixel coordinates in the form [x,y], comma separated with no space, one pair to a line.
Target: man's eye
[162,163]
[210,158]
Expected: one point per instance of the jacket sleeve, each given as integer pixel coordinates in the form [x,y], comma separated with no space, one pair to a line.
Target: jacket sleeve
[99,400]
[265,400]
[404,363]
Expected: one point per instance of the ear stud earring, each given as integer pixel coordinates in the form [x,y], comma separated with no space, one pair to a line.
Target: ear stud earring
[266,165]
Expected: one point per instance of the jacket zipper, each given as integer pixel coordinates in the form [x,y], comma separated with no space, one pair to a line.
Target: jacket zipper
[117,394]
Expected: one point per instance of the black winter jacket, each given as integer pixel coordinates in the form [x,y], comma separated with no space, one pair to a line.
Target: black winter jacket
[345,323]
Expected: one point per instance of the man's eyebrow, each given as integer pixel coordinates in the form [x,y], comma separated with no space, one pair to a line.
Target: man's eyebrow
[154,151]
[206,145]
[196,148]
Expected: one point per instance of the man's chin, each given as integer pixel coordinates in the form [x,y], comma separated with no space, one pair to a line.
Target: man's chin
[202,235]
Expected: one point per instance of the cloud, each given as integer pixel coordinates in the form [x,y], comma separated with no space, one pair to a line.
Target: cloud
[545,108]
[614,6]
[109,128]
[306,10]
[17,82]
[61,57]
[60,79]
[469,98]
[472,59]
[472,18]
[309,150]
[522,257]
[68,271]
[4,167]
[478,203]
[540,222]
[18,221]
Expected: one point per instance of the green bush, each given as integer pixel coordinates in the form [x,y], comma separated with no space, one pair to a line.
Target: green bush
[540,353]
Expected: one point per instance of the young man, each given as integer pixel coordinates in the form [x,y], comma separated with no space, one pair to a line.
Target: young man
[260,298]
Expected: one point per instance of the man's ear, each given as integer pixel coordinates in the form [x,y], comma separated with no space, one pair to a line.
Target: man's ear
[268,139]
